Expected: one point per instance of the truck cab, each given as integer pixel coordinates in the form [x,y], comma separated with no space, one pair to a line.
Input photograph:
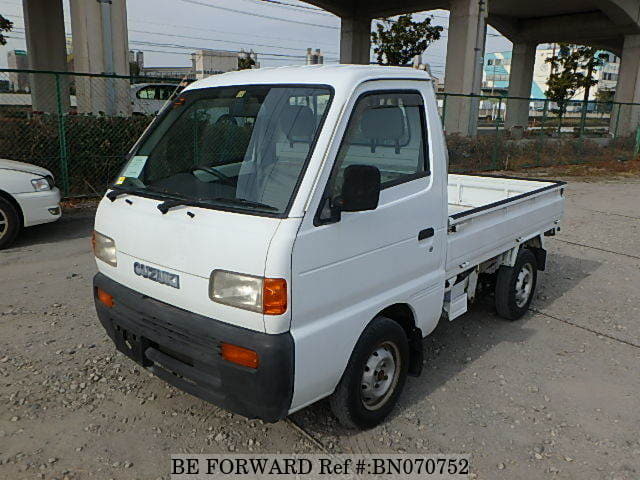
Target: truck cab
[282,235]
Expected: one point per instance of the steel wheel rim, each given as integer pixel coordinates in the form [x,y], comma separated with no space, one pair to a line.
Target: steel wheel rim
[380,375]
[524,284]
[4,223]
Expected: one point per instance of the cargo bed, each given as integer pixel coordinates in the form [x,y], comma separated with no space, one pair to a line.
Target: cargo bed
[491,214]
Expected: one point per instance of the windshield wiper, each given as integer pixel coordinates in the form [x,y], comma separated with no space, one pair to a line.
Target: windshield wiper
[117,190]
[167,205]
[245,202]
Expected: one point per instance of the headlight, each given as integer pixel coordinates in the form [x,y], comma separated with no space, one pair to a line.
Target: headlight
[258,294]
[42,184]
[104,248]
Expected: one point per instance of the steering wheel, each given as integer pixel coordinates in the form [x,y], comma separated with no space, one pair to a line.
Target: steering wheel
[213,171]
[226,119]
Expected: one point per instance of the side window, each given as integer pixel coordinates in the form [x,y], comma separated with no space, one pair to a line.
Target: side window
[147,93]
[164,92]
[386,130]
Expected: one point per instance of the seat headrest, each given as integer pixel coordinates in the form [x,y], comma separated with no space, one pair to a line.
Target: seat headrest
[298,123]
[383,124]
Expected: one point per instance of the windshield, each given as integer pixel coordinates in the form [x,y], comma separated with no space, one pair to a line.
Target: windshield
[243,148]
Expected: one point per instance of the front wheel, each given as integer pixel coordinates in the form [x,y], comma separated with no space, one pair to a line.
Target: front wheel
[516,285]
[374,377]
[9,223]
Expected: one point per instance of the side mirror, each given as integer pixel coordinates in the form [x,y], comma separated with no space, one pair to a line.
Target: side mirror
[360,188]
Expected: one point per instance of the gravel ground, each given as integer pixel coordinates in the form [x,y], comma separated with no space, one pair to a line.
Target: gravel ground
[555,395]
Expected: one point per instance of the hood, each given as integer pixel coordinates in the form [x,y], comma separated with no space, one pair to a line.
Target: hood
[191,246]
[23,167]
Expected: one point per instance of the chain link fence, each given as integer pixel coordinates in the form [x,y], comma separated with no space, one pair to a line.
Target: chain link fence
[78,126]
[81,126]
[586,132]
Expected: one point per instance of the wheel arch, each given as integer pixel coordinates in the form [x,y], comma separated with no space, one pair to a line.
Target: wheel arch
[9,198]
[404,315]
[536,245]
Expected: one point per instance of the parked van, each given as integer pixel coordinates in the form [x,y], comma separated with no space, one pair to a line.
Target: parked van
[149,98]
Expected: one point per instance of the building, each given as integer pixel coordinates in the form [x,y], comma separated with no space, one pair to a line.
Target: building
[203,64]
[18,60]
[497,68]
[211,62]
[168,72]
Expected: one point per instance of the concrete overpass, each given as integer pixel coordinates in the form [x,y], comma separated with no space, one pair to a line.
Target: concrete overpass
[100,45]
[609,24]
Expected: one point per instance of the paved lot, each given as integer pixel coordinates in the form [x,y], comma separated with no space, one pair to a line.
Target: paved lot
[555,395]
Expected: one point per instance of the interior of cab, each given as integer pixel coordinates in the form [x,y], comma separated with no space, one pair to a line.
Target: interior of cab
[249,144]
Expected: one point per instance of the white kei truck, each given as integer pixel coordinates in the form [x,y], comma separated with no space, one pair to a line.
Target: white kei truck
[283,235]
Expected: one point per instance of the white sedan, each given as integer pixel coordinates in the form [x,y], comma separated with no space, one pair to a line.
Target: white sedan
[28,196]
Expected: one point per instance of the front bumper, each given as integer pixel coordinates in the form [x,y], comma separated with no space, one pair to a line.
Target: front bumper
[182,348]
[39,207]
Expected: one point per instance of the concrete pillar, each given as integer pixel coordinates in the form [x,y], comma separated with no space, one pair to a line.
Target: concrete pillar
[463,74]
[100,45]
[46,50]
[626,118]
[523,59]
[355,40]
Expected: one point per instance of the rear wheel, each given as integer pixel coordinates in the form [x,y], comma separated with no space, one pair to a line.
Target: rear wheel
[374,377]
[516,285]
[9,223]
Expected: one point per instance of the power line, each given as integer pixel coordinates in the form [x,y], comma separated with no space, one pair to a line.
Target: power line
[244,45]
[268,17]
[217,40]
[190,27]
[192,47]
[294,6]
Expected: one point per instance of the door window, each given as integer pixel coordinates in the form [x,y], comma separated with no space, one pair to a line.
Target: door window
[165,92]
[147,93]
[386,130]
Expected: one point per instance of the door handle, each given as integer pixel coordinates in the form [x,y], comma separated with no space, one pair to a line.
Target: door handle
[424,234]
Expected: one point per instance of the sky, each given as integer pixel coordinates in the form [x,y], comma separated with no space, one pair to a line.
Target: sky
[280,31]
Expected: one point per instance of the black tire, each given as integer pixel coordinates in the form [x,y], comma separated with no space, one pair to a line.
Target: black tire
[9,223]
[512,294]
[349,402]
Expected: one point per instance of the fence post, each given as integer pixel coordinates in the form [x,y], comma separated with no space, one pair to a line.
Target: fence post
[62,139]
[444,108]
[494,160]
[583,117]
[615,131]
[543,122]
[636,150]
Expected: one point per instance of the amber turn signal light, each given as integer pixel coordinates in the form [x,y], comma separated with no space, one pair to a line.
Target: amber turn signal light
[274,296]
[239,355]
[105,298]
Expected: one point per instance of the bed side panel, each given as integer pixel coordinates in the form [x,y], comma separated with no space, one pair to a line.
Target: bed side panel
[488,234]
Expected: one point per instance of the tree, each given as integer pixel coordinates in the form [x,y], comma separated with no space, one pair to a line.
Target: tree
[245,60]
[572,69]
[5,26]
[605,97]
[397,42]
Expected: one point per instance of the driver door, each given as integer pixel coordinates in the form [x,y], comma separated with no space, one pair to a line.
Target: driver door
[345,271]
